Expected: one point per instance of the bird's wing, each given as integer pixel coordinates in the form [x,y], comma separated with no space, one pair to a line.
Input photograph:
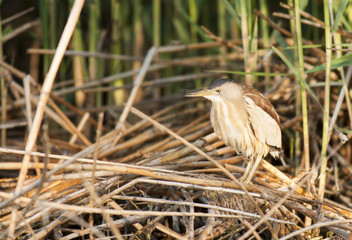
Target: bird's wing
[263,117]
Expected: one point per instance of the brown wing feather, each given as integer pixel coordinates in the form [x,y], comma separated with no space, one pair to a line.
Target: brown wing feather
[260,101]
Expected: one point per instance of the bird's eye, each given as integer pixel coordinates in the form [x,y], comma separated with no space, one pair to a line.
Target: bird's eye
[217,91]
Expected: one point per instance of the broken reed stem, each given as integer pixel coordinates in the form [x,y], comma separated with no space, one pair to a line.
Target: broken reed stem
[80,126]
[272,24]
[23,28]
[276,172]
[16,16]
[27,95]
[137,83]
[69,125]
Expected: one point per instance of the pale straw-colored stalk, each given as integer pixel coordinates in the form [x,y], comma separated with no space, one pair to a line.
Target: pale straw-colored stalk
[47,86]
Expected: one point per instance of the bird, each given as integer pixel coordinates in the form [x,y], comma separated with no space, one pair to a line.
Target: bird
[245,120]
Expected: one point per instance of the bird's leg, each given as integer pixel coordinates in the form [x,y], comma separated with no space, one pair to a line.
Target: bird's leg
[246,172]
[252,169]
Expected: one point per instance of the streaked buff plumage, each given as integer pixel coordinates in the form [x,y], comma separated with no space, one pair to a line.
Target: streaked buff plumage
[244,119]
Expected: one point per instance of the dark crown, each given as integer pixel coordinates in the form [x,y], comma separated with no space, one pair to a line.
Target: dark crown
[219,82]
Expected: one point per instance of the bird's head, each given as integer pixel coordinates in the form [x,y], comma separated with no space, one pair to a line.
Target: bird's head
[220,90]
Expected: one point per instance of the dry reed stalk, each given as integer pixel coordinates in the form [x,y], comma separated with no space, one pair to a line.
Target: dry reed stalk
[48,82]
[165,64]
[79,127]
[24,76]
[226,172]
[21,29]
[137,83]
[17,15]
[125,169]
[157,82]
[273,24]
[69,125]
[85,54]
[158,146]
[58,115]
[3,110]
[142,213]
[164,177]
[316,20]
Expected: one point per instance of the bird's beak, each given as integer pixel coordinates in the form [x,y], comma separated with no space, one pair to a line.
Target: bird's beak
[201,93]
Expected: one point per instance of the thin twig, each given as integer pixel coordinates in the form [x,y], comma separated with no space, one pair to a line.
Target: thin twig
[137,84]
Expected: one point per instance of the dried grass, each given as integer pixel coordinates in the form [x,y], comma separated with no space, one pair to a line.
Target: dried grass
[163,173]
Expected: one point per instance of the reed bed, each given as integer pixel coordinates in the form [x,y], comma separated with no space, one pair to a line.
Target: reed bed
[137,160]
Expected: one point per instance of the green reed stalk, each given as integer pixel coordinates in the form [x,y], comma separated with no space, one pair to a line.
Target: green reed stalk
[156,23]
[303,92]
[249,10]
[94,32]
[44,18]
[222,28]
[53,25]
[118,95]
[245,38]
[193,15]
[316,31]
[298,101]
[179,23]
[325,141]
[3,94]
[340,9]
[253,49]
[138,40]
[263,5]
[79,66]
[156,40]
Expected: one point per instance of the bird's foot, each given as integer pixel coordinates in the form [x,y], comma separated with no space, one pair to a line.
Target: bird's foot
[250,170]
[245,179]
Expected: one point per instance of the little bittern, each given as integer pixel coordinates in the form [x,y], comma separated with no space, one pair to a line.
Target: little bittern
[245,120]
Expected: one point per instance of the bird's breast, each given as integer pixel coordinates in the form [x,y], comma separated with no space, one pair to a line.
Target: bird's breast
[231,124]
